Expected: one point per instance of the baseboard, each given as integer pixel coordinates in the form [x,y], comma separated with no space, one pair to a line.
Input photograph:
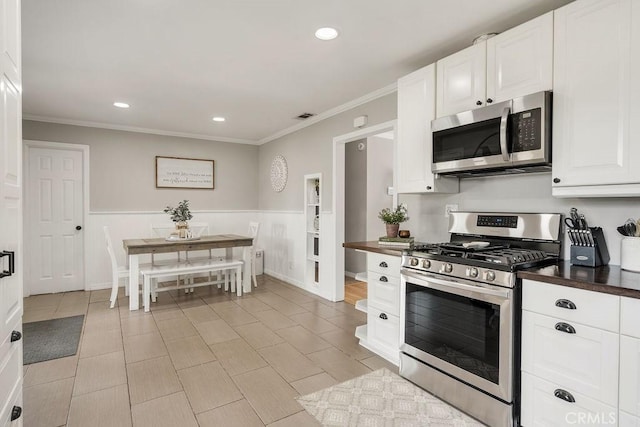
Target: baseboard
[350,274]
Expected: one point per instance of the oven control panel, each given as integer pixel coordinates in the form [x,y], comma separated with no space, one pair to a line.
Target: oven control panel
[505,221]
[417,263]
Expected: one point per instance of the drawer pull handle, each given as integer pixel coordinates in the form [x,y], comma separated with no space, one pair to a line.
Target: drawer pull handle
[15,336]
[16,411]
[383,316]
[565,303]
[384,279]
[564,395]
[384,264]
[565,327]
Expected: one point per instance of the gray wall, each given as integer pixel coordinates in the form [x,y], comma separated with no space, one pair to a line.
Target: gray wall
[310,150]
[122,168]
[379,176]
[355,205]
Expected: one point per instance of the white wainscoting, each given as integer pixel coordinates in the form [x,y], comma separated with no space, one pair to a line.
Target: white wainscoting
[281,237]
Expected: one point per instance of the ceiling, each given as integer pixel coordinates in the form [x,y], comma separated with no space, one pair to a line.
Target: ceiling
[254,62]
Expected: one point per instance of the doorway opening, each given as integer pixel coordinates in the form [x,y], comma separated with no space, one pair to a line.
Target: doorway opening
[368,184]
[361,212]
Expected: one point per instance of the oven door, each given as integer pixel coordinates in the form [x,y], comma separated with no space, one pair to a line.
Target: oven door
[462,328]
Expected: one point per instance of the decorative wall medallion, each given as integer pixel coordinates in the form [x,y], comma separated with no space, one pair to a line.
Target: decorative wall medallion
[279,173]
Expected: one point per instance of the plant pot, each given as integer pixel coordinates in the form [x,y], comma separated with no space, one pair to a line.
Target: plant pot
[392,230]
[182,227]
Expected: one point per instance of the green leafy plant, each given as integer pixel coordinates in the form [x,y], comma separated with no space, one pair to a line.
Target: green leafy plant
[180,212]
[394,216]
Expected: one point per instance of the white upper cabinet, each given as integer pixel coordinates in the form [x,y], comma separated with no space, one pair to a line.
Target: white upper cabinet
[515,63]
[461,79]
[520,61]
[596,118]
[416,109]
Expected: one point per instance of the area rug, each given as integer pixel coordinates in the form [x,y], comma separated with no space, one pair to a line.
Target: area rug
[51,339]
[381,399]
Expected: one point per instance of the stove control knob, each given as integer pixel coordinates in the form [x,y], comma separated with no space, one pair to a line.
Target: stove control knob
[472,272]
[448,268]
[413,262]
[491,276]
[426,263]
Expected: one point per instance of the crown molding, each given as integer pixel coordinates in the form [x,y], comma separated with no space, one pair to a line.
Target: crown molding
[332,112]
[379,93]
[99,125]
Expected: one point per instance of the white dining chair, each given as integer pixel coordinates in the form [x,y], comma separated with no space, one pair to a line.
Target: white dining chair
[117,272]
[254,228]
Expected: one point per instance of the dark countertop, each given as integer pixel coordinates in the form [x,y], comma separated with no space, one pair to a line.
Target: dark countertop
[610,279]
[374,247]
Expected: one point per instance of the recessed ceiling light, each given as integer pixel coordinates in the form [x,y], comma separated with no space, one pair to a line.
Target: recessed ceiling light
[326,33]
[121,104]
[219,119]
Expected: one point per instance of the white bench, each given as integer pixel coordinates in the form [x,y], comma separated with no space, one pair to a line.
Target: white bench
[152,273]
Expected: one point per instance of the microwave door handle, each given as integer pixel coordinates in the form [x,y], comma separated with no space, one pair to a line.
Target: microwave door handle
[504,120]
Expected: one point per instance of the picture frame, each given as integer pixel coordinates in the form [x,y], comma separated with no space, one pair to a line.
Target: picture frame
[178,172]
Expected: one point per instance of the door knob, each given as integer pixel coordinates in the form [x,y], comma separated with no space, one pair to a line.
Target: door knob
[15,336]
[478,102]
[78,227]
[489,100]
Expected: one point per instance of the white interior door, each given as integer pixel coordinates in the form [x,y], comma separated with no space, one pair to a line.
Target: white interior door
[55,220]
[11,265]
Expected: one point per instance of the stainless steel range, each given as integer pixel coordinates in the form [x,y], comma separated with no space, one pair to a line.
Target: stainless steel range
[461,305]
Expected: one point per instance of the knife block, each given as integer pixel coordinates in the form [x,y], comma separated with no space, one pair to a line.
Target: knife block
[594,255]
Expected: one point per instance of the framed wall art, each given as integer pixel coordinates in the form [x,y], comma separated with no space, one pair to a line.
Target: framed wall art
[176,172]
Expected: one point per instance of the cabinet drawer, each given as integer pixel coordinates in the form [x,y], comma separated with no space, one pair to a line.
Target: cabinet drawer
[10,376]
[630,317]
[14,400]
[586,360]
[540,406]
[384,295]
[630,375]
[589,308]
[383,329]
[385,264]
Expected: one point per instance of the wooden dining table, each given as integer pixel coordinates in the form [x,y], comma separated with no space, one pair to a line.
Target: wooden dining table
[136,247]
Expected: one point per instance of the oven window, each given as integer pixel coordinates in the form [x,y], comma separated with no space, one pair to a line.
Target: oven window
[462,331]
[467,142]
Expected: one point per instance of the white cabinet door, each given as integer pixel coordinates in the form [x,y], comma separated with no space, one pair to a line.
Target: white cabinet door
[626,420]
[383,332]
[10,207]
[520,61]
[461,80]
[596,64]
[630,375]
[585,359]
[416,109]
[542,408]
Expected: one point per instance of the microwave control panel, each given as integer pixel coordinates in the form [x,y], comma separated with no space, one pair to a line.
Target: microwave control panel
[527,130]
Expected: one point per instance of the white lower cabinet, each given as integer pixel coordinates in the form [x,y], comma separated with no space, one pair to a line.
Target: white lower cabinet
[382,331]
[571,361]
[541,406]
[577,356]
[629,362]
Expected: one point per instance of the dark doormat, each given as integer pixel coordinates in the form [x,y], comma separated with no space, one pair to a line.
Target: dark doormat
[51,339]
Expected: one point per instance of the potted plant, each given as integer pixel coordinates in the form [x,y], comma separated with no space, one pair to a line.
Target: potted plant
[392,218]
[180,215]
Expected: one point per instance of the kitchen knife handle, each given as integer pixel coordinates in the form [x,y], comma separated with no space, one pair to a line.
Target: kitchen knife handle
[565,303]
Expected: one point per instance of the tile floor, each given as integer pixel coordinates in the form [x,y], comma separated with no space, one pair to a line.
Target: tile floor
[204,359]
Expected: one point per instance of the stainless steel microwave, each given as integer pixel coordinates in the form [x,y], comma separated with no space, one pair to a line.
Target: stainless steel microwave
[507,137]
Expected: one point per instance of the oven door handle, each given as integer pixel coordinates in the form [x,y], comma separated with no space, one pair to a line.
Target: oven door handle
[504,121]
[430,281]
